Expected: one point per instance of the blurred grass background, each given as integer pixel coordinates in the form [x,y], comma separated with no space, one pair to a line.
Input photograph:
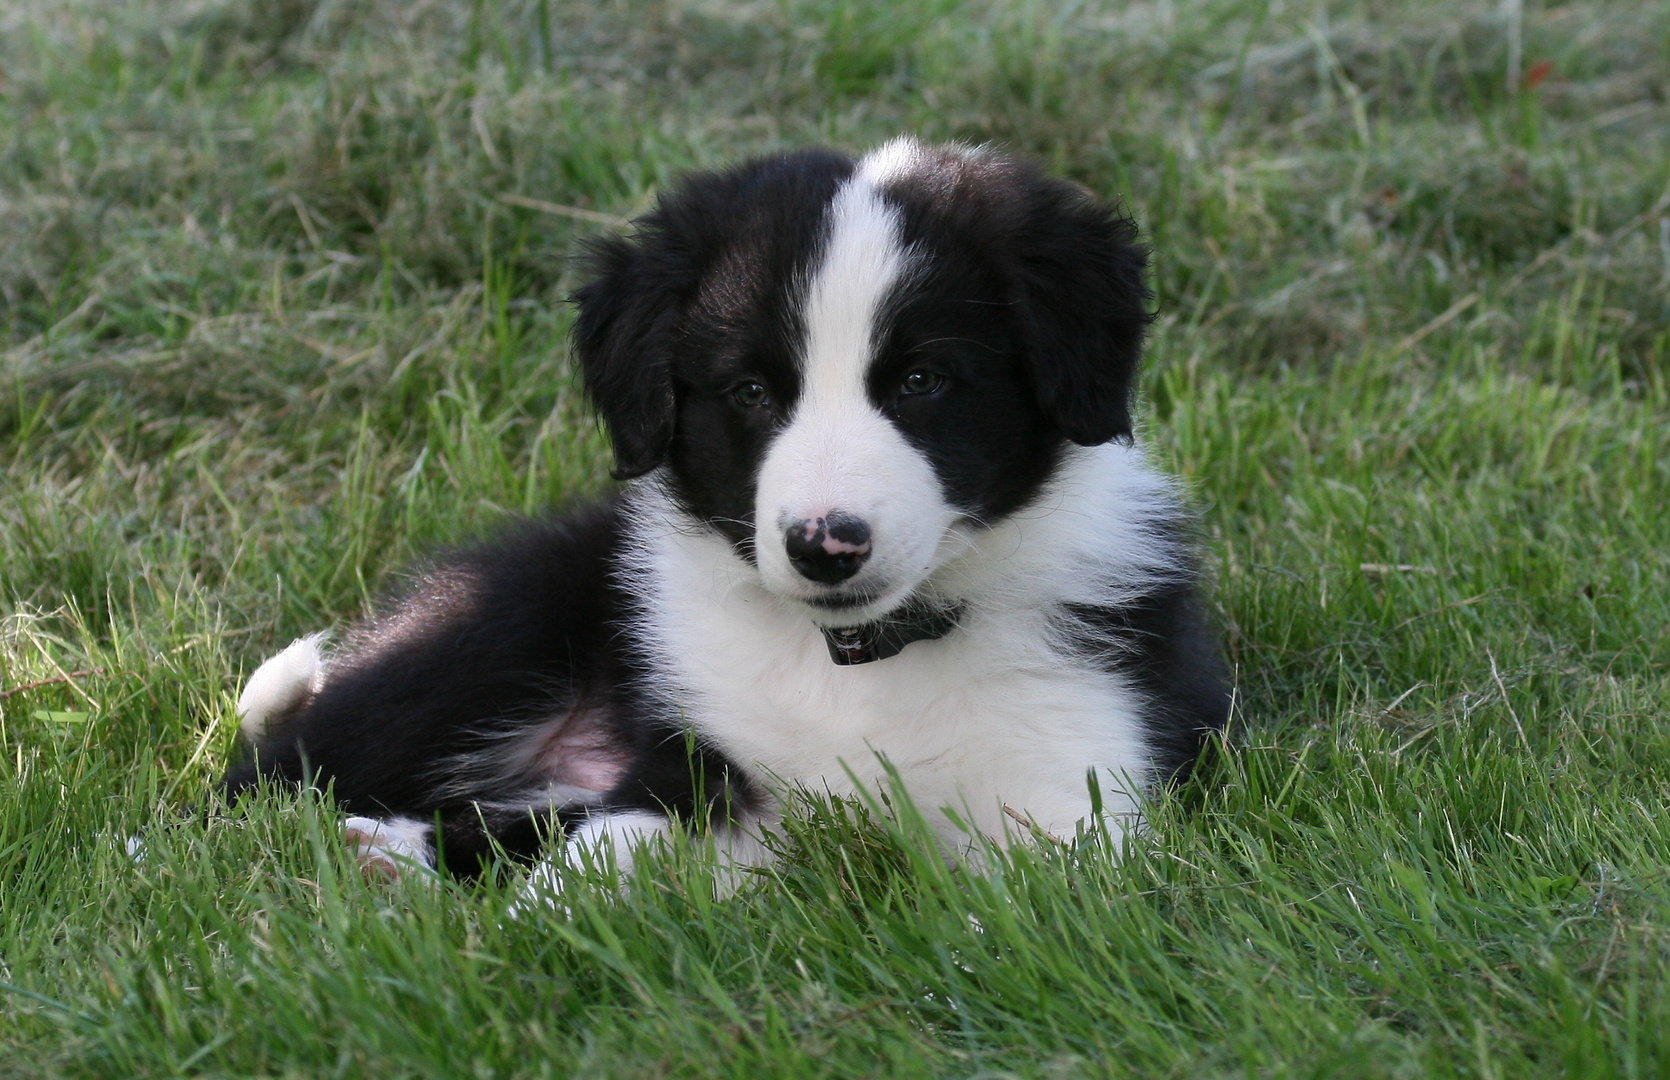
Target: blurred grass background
[281,291]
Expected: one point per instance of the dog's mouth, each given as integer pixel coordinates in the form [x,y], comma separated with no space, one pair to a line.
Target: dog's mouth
[839,603]
[840,607]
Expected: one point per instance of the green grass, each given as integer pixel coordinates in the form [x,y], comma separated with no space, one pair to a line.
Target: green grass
[269,328]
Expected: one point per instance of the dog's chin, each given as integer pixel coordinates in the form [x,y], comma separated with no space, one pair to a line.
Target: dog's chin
[838,608]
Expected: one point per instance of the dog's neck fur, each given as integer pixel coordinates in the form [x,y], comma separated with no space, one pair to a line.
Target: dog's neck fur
[749,670]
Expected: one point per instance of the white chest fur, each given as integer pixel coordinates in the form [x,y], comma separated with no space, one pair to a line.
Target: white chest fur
[1001,713]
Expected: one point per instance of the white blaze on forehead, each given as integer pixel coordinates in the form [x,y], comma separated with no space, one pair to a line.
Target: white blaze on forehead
[838,451]
[905,158]
[863,259]
[890,161]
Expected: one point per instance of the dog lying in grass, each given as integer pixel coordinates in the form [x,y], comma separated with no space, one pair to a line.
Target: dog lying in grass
[883,509]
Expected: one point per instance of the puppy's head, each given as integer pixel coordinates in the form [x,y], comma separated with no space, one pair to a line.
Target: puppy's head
[840,364]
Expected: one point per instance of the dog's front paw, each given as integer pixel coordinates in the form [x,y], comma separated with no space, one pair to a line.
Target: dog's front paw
[606,843]
[387,850]
[541,892]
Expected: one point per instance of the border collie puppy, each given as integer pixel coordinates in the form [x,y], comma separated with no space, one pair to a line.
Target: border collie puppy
[884,510]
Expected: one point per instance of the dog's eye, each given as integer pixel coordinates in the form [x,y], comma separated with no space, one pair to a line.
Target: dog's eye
[921,382]
[750,394]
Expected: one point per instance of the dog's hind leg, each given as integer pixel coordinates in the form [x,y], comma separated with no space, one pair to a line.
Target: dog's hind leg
[466,843]
[390,848]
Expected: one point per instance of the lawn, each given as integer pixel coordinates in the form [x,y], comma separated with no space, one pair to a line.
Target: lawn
[282,307]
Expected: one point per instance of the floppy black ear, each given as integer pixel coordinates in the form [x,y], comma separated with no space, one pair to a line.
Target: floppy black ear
[622,337]
[1086,307]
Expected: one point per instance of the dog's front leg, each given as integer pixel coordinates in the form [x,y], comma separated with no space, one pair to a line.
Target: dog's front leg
[614,841]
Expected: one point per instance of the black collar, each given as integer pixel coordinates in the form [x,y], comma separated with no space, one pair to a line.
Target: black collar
[883,638]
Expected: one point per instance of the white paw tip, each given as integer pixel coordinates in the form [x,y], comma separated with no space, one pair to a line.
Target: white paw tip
[388,850]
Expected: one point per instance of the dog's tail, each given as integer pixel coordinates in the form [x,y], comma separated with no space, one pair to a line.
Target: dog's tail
[282,685]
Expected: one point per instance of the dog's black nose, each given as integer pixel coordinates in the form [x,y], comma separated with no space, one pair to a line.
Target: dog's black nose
[828,549]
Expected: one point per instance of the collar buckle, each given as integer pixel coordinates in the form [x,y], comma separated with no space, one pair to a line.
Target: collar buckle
[884,638]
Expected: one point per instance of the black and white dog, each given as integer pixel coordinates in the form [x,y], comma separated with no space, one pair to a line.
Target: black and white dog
[884,506]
